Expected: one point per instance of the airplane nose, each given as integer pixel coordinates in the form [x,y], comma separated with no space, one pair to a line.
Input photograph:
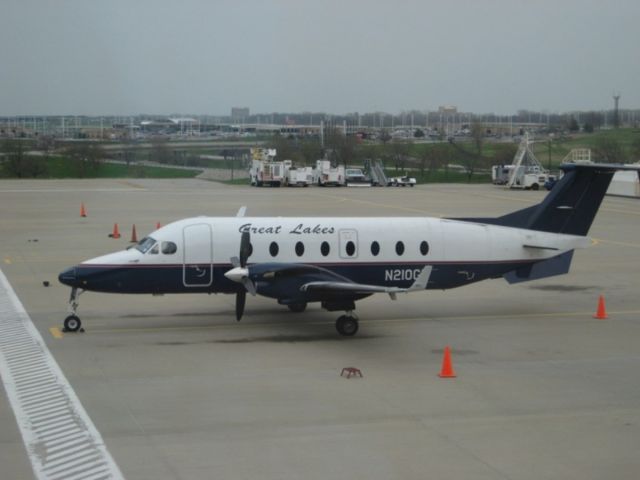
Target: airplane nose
[68,277]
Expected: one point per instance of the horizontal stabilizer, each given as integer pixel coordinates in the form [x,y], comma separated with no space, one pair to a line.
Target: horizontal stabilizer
[547,268]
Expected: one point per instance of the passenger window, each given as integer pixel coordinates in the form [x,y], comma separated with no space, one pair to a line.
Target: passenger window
[274,249]
[399,248]
[155,249]
[299,249]
[350,248]
[375,249]
[424,248]
[169,248]
[324,249]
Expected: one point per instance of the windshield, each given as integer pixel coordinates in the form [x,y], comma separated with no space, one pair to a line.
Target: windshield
[145,244]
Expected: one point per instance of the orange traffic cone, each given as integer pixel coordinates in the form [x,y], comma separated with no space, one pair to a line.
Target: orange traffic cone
[116,232]
[447,367]
[134,237]
[158,226]
[83,212]
[601,313]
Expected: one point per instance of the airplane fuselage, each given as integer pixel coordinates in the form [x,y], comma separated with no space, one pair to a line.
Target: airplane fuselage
[193,255]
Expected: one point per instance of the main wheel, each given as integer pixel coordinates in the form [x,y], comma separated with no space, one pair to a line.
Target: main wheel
[72,323]
[297,307]
[347,326]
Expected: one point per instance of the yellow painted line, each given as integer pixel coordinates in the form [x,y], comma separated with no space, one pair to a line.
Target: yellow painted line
[55,331]
[613,242]
[7,261]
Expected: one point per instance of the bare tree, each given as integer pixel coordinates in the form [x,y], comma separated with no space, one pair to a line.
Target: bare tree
[343,148]
[609,150]
[85,157]
[635,149]
[17,163]
[160,151]
[399,154]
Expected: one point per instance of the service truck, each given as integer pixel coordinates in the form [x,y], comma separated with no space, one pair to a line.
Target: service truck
[324,174]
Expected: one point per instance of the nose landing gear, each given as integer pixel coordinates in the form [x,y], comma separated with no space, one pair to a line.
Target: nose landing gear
[72,323]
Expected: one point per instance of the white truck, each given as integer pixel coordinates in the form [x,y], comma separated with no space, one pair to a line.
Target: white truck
[297,176]
[324,174]
[264,170]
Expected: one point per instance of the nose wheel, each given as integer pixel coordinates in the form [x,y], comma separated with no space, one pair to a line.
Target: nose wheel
[72,323]
[347,325]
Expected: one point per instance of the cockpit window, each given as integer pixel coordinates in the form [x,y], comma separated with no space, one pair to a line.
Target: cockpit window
[169,248]
[145,244]
[155,249]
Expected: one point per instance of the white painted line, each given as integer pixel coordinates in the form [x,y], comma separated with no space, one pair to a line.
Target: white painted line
[52,421]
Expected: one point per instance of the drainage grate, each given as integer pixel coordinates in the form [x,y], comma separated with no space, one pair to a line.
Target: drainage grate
[61,440]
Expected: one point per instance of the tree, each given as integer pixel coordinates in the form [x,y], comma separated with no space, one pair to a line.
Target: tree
[160,151]
[384,136]
[573,124]
[18,164]
[587,127]
[505,153]
[477,134]
[608,150]
[635,149]
[85,157]
[419,133]
[343,148]
[310,150]
[399,155]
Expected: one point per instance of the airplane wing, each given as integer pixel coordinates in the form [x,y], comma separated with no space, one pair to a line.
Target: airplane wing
[329,286]
[309,281]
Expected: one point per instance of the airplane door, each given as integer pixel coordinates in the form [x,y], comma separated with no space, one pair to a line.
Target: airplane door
[348,243]
[198,255]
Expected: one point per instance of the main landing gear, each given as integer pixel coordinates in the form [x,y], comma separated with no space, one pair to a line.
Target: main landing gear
[347,325]
[72,323]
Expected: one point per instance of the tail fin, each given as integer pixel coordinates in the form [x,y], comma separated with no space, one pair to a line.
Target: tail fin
[571,205]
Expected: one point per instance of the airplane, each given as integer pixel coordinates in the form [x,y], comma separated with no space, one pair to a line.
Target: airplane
[336,261]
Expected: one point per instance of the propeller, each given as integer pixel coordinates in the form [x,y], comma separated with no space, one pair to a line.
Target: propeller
[240,273]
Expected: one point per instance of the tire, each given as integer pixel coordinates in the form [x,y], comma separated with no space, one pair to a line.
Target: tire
[297,307]
[72,323]
[535,186]
[347,326]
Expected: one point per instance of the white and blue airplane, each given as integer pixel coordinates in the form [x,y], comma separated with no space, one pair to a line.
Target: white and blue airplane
[337,261]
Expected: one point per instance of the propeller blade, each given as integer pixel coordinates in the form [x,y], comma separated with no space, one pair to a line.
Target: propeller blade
[240,299]
[249,285]
[245,248]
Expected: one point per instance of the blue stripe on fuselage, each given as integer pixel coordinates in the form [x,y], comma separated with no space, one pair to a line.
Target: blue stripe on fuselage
[150,279]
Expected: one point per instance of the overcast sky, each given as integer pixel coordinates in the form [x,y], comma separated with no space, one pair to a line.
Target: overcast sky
[204,56]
